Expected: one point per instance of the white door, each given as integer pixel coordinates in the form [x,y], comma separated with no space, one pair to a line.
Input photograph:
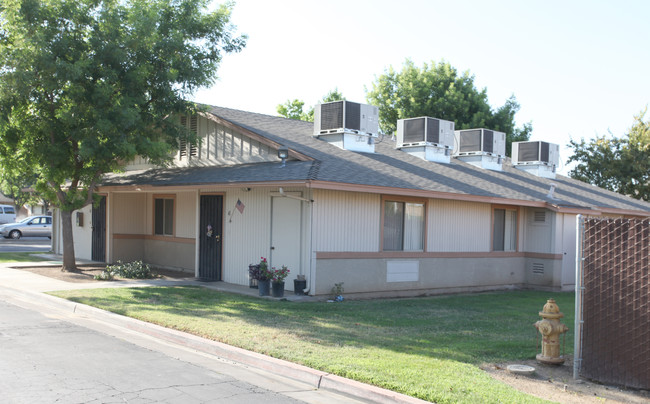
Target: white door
[286,221]
[568,251]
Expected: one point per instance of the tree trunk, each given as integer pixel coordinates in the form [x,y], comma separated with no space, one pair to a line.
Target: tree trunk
[69,260]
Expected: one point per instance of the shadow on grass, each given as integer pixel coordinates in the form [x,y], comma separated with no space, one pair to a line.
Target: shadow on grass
[473,329]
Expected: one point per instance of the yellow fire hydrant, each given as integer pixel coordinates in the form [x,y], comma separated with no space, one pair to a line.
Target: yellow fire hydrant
[551,328]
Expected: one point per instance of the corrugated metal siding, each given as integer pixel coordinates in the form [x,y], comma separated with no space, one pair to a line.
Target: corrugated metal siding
[456,226]
[346,221]
[132,213]
[186,214]
[538,236]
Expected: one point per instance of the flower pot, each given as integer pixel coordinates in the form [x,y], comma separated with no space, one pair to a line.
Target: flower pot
[263,287]
[299,285]
[277,289]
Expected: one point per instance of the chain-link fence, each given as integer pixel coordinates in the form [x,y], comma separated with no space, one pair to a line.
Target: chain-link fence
[614,262]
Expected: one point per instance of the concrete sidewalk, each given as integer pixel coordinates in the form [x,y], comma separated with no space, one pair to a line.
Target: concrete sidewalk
[28,287]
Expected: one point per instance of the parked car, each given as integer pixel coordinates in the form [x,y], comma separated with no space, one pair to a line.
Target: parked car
[7,214]
[33,226]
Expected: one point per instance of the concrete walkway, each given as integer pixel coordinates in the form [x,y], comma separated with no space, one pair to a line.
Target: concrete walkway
[50,284]
[27,287]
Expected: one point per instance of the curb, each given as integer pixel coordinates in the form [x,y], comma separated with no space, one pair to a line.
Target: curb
[315,378]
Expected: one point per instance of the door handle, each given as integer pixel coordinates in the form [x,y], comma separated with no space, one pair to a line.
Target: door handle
[272,248]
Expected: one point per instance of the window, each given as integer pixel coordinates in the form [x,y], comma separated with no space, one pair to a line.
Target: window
[403,226]
[164,216]
[505,230]
[9,210]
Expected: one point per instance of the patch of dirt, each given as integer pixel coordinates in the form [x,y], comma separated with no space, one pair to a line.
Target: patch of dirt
[86,273]
[556,383]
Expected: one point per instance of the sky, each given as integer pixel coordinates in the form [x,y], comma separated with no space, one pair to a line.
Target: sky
[579,69]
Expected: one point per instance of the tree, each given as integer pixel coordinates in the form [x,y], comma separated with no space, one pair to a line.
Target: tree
[294,109]
[86,85]
[439,91]
[619,164]
[17,186]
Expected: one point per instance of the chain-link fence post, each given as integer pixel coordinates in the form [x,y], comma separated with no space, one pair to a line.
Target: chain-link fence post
[579,297]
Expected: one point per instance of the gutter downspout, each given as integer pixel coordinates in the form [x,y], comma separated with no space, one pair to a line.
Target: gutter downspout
[312,258]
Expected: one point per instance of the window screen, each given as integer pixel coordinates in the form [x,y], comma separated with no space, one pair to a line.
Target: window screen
[504,236]
[164,216]
[403,226]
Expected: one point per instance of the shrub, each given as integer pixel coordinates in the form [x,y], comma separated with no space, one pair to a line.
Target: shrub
[131,270]
[104,276]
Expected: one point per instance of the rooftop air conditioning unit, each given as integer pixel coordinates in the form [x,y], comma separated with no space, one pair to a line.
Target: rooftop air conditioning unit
[425,131]
[346,117]
[535,153]
[481,141]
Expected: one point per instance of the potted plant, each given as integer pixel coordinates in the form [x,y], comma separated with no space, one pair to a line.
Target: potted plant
[277,280]
[263,277]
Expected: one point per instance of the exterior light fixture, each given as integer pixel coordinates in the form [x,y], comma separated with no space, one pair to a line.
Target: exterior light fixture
[283,153]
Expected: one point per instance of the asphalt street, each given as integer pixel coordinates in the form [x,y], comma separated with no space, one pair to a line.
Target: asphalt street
[49,356]
[26,244]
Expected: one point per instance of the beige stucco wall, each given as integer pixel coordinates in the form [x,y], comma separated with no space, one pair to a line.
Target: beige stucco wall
[169,254]
[127,250]
[436,275]
[544,272]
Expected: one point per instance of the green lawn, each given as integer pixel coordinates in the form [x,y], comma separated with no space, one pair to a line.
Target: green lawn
[19,257]
[429,348]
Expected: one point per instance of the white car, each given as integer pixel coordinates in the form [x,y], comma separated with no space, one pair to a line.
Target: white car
[33,226]
[7,214]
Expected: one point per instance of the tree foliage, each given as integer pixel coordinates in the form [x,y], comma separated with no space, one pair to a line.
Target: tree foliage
[439,91]
[17,186]
[295,109]
[86,85]
[619,164]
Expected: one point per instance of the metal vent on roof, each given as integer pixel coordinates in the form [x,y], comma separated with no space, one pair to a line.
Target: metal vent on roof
[535,152]
[425,131]
[331,116]
[481,141]
[538,268]
[346,117]
[352,115]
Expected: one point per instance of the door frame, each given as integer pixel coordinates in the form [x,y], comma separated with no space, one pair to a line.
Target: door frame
[200,233]
[295,268]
